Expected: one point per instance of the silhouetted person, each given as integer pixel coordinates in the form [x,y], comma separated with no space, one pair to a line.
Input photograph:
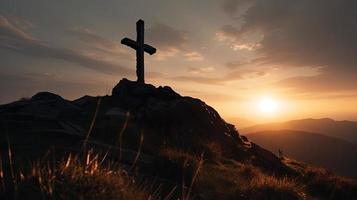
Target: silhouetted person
[140,48]
[280,153]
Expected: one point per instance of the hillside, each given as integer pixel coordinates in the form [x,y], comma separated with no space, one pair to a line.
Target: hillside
[346,130]
[332,153]
[143,142]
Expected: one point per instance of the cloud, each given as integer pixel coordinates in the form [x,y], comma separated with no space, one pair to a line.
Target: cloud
[232,7]
[238,41]
[166,37]
[89,37]
[235,75]
[200,79]
[15,39]
[171,42]
[10,31]
[228,32]
[193,56]
[302,33]
[99,44]
[324,82]
[236,64]
[200,70]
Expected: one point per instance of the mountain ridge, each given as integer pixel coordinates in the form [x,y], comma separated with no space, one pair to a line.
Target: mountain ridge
[344,129]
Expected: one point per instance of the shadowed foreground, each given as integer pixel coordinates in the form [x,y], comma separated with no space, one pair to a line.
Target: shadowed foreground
[144,142]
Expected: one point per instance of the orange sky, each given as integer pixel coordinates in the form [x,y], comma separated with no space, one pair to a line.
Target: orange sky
[230,53]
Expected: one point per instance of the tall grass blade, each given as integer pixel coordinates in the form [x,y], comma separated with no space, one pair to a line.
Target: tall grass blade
[92,123]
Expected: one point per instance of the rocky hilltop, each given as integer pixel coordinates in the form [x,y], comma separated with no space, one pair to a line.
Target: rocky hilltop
[157,136]
[163,116]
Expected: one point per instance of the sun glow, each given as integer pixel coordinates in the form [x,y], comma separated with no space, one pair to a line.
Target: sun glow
[268,106]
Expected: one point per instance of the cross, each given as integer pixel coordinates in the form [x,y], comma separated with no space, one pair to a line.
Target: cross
[140,48]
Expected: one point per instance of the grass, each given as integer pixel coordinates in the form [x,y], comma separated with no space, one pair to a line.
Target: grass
[91,176]
[270,187]
[72,178]
[244,181]
[321,183]
[190,166]
[326,185]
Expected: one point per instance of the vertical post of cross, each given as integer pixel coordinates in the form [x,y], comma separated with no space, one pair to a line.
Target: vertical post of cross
[140,51]
[140,47]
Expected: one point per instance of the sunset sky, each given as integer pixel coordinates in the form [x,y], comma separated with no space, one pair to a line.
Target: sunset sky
[242,57]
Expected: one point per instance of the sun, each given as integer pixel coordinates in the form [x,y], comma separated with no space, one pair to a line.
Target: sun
[268,106]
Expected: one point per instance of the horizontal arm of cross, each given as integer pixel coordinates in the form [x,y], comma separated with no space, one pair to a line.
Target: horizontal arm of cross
[129,42]
[149,49]
[133,44]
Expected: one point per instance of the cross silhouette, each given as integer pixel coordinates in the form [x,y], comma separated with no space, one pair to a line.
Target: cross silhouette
[140,48]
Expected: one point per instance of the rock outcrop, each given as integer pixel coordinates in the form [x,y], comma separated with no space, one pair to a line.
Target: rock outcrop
[160,114]
[163,110]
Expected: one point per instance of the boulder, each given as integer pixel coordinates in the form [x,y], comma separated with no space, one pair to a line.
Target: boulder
[132,89]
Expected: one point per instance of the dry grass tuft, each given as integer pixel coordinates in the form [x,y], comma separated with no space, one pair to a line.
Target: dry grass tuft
[244,181]
[179,155]
[322,183]
[74,178]
[191,167]
[270,187]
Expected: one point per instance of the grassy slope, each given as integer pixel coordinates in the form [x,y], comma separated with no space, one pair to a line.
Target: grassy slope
[93,177]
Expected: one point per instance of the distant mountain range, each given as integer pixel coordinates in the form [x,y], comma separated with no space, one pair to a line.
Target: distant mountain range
[322,142]
[346,130]
[332,153]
